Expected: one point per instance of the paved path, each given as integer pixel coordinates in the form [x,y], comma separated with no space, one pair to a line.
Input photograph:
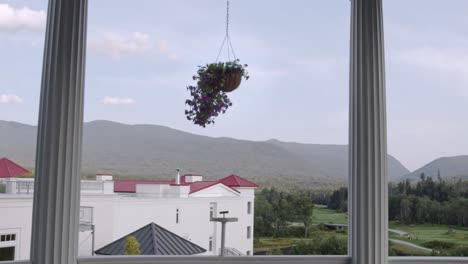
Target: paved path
[396,241]
[398,232]
[409,244]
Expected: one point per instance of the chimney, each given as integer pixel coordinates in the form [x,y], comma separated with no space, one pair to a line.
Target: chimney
[177,180]
[104,177]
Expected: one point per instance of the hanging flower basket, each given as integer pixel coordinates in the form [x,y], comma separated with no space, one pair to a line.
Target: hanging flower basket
[208,97]
[232,81]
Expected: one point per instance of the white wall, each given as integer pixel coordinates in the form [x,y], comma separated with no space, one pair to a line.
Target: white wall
[194,223]
[16,217]
[117,215]
[103,211]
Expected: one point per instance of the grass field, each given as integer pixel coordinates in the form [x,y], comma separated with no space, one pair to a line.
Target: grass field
[420,234]
[425,233]
[409,251]
[324,215]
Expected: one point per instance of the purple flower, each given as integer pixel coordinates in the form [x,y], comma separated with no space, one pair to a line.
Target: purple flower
[207,102]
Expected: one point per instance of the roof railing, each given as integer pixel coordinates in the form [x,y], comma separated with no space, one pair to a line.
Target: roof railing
[26,186]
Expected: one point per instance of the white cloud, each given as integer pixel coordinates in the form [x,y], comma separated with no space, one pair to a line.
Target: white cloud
[118,101]
[10,99]
[16,19]
[136,43]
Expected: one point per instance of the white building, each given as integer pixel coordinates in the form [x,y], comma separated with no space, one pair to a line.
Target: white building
[117,208]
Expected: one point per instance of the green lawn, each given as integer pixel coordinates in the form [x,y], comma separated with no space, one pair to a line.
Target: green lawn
[426,233]
[324,215]
[420,234]
[408,251]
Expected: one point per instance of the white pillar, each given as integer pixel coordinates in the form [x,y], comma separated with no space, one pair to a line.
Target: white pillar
[58,158]
[368,136]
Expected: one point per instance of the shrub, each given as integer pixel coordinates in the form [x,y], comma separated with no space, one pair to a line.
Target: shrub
[436,244]
[131,246]
[295,231]
[330,246]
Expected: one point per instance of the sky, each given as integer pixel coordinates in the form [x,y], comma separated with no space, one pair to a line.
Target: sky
[142,54]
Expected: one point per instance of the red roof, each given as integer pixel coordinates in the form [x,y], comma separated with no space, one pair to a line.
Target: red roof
[129,186]
[237,181]
[198,186]
[9,169]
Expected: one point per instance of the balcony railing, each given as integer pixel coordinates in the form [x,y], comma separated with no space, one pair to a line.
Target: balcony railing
[26,186]
[86,218]
[232,252]
[86,215]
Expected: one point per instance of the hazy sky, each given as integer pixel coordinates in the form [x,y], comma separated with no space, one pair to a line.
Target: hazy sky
[142,54]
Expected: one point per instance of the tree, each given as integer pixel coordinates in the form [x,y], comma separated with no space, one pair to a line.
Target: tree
[131,246]
[339,200]
[405,210]
[263,217]
[283,213]
[304,208]
[428,201]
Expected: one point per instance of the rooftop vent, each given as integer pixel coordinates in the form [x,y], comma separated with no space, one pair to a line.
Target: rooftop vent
[177,181]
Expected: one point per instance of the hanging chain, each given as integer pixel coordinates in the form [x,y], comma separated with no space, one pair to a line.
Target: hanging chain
[227,19]
[227,28]
[227,38]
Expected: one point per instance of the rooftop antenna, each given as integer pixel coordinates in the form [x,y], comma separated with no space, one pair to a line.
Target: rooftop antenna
[223,221]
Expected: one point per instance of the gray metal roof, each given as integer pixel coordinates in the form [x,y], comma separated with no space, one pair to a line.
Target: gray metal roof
[154,240]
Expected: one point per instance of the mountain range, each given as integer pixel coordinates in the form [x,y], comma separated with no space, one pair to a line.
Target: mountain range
[447,167]
[152,151]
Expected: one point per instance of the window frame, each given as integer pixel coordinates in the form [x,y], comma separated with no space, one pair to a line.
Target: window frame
[260,260]
[72,15]
[14,248]
[212,210]
[10,241]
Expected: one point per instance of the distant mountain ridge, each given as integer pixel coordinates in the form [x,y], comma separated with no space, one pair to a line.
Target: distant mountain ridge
[448,167]
[154,151]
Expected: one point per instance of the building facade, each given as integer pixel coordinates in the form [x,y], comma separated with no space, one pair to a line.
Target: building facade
[113,209]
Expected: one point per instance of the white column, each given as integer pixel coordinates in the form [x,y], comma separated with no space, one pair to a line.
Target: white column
[367,136]
[58,158]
